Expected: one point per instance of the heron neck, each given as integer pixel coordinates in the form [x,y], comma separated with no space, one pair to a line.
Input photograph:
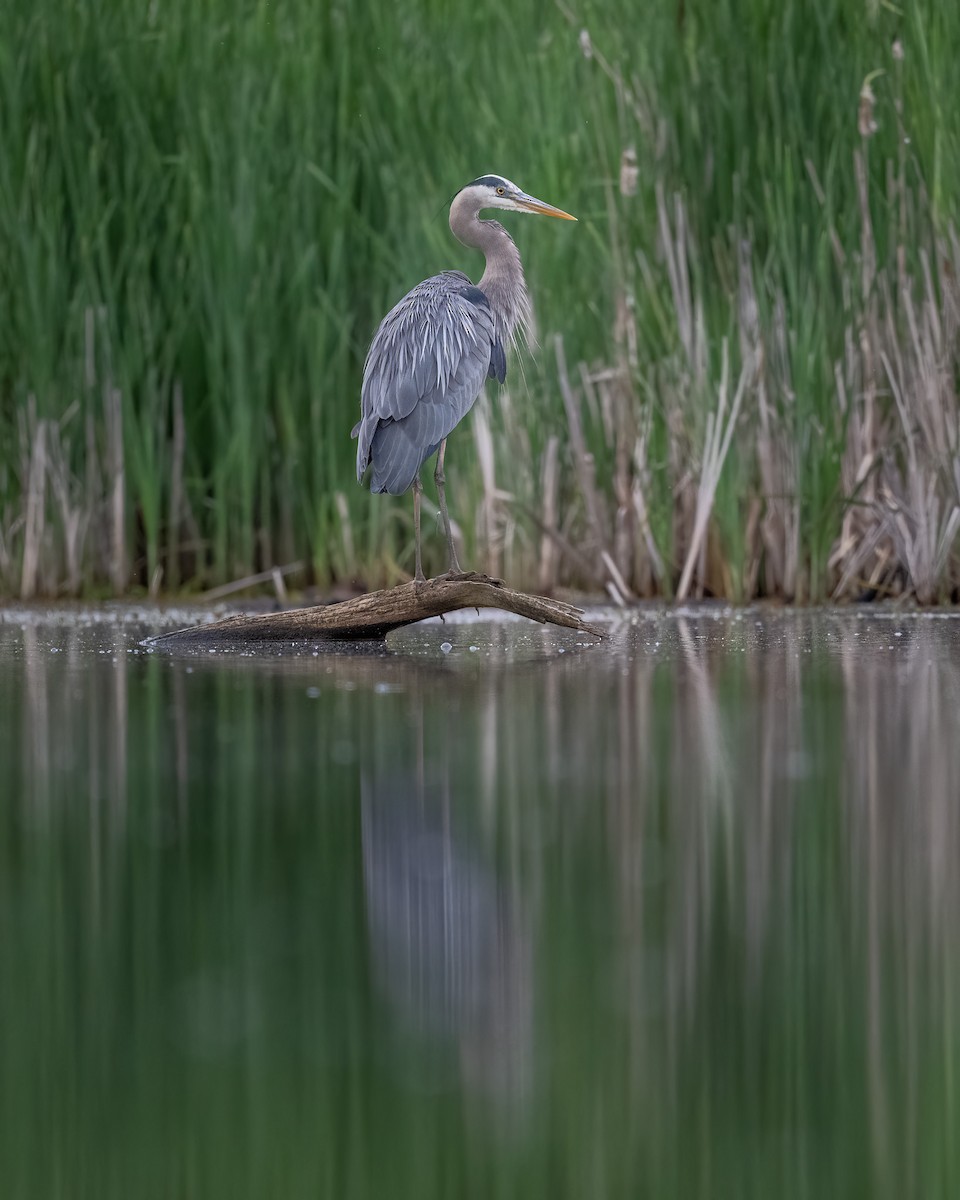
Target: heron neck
[502,281]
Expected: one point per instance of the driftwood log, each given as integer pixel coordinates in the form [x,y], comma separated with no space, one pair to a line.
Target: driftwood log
[374,615]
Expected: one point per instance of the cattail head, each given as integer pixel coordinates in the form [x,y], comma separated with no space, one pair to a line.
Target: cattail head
[628,172]
[866,122]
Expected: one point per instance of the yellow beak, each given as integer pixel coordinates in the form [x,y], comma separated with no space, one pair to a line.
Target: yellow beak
[532,204]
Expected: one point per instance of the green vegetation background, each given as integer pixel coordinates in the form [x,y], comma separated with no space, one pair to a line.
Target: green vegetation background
[205,209]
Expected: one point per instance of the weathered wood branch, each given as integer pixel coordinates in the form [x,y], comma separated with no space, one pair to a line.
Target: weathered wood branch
[374,615]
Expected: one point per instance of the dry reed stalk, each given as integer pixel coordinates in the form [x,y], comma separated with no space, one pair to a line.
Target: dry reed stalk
[34,522]
[618,398]
[582,458]
[869,332]
[249,581]
[8,530]
[585,468]
[653,562]
[599,402]
[175,508]
[904,538]
[487,531]
[73,517]
[857,540]
[92,481]
[779,525]
[720,427]
[113,414]
[263,531]
[279,587]
[346,533]
[681,458]
[624,538]
[752,549]
[858,549]
[549,491]
[686,377]
[924,525]
[605,399]
[615,585]
[578,560]
[608,572]
[936,408]
[674,240]
[517,554]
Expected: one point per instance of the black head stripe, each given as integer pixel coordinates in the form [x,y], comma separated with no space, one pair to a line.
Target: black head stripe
[493,181]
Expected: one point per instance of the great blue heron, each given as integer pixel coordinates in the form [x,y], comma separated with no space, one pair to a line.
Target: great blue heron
[429,358]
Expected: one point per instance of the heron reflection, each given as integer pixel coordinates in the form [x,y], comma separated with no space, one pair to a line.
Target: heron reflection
[450,946]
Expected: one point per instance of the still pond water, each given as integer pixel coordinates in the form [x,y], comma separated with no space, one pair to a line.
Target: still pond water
[493,913]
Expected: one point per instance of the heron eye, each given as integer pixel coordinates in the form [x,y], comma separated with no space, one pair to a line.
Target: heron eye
[500,191]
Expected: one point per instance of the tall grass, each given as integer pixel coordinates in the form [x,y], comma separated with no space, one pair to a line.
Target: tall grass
[206,209]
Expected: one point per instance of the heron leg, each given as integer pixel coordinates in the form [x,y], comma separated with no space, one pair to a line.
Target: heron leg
[440,479]
[418,576]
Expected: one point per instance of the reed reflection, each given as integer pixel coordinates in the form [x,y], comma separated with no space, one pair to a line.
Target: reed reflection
[696,884]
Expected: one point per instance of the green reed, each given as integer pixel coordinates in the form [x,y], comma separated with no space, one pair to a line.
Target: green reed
[205,211]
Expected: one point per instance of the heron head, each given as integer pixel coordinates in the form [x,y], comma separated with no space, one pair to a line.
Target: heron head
[493,191]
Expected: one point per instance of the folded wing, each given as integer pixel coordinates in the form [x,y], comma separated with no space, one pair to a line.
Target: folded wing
[425,368]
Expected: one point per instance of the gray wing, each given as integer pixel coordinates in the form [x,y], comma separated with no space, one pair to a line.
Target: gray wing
[425,369]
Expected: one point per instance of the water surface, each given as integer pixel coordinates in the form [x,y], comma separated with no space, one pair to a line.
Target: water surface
[490,913]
